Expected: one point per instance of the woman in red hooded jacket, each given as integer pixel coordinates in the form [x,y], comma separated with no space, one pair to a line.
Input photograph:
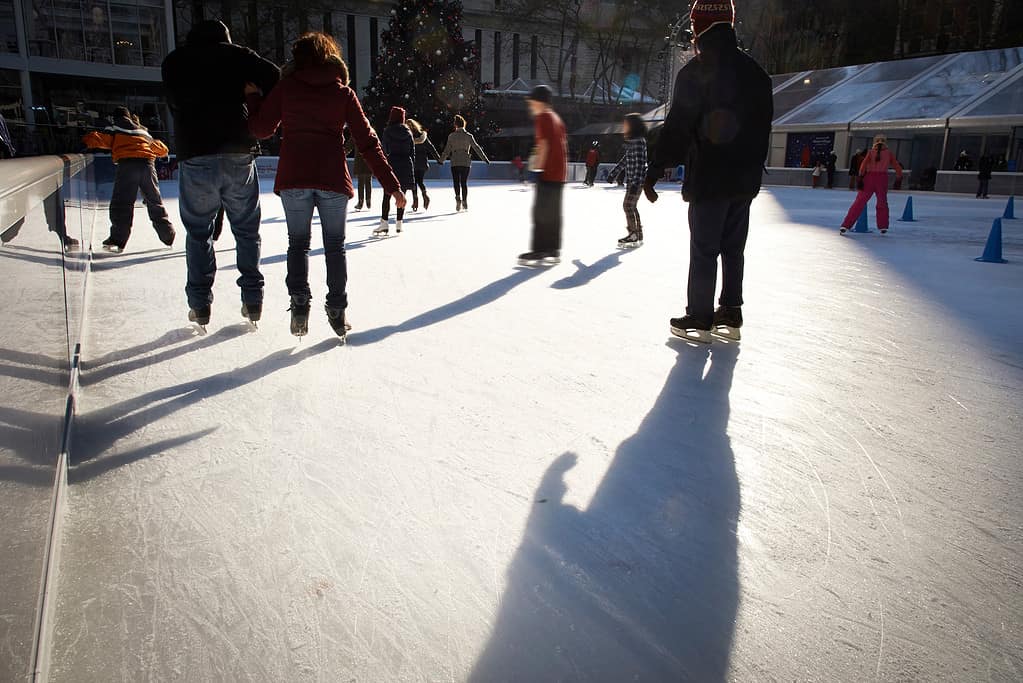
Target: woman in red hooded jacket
[874,180]
[313,104]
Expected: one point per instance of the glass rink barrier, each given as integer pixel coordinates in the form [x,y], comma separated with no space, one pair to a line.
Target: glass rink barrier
[48,210]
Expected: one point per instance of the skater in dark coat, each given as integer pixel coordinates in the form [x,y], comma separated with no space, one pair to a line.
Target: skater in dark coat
[830,165]
[854,169]
[719,126]
[984,176]
[134,152]
[400,150]
[204,80]
[424,150]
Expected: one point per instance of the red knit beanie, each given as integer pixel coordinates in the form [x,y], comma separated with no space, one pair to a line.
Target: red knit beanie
[397,116]
[708,13]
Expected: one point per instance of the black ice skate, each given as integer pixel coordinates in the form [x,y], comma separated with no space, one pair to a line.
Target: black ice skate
[458,206]
[299,316]
[539,259]
[691,330]
[112,246]
[727,321]
[632,240]
[252,313]
[200,317]
[338,322]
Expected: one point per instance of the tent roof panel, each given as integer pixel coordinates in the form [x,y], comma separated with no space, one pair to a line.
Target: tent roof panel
[803,90]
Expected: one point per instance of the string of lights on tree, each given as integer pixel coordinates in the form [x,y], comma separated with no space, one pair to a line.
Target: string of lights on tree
[426,66]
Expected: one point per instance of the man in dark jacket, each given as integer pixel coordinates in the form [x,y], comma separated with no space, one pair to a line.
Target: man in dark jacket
[205,83]
[719,126]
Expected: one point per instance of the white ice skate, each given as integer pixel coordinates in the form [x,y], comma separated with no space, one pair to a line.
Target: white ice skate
[397,226]
[383,230]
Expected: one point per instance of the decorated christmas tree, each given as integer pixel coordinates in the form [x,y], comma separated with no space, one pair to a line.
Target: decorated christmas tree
[427,67]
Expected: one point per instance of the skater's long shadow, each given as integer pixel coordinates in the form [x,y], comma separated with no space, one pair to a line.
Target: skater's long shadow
[643,583]
[97,431]
[585,274]
[114,364]
[283,258]
[481,297]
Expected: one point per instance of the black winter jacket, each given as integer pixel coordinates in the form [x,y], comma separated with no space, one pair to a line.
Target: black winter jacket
[400,150]
[719,124]
[205,84]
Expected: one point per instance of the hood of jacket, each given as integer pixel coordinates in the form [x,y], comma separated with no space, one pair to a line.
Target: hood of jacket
[419,139]
[334,72]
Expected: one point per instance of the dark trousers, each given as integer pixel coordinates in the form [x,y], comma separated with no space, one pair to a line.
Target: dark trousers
[131,177]
[365,190]
[420,184]
[547,216]
[591,174]
[717,228]
[983,188]
[631,206]
[831,178]
[400,213]
[460,179]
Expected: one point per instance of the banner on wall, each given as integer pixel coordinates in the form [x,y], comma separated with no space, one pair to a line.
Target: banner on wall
[803,148]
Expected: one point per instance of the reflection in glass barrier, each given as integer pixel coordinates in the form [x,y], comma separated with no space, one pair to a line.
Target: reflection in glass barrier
[44,223]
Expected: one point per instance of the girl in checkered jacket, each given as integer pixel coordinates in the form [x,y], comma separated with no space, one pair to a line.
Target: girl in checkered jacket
[633,165]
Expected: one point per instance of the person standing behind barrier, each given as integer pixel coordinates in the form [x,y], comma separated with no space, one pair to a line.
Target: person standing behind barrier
[312,104]
[830,164]
[205,84]
[719,126]
[400,150]
[633,164]
[592,164]
[461,144]
[854,169]
[134,151]
[364,178]
[984,169]
[424,148]
[874,181]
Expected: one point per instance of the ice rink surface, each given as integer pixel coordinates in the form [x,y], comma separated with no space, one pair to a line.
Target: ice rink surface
[516,475]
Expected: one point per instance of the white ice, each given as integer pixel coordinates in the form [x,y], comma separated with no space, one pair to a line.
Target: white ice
[516,475]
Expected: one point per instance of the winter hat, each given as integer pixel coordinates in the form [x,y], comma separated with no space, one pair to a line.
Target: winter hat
[541,93]
[397,116]
[709,13]
[122,112]
[209,32]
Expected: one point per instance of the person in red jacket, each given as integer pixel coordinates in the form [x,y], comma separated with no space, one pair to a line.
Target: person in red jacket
[874,180]
[134,151]
[313,104]
[592,164]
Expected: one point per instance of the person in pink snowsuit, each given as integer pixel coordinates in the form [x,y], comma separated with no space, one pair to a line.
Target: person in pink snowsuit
[874,181]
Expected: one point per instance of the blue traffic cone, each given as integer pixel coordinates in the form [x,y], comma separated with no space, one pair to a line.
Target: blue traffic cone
[861,222]
[907,213]
[993,248]
[1010,209]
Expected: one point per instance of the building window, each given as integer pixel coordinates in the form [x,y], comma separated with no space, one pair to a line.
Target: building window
[8,32]
[516,48]
[126,33]
[374,45]
[497,58]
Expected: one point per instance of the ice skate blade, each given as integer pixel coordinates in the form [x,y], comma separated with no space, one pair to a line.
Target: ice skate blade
[726,333]
[630,245]
[693,336]
[113,249]
[539,263]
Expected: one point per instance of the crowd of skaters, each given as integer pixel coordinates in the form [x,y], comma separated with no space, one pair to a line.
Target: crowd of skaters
[220,113]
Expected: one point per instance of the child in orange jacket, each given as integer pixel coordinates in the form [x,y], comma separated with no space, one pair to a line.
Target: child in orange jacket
[134,151]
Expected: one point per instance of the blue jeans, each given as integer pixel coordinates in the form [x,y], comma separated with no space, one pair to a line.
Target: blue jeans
[207,183]
[333,210]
